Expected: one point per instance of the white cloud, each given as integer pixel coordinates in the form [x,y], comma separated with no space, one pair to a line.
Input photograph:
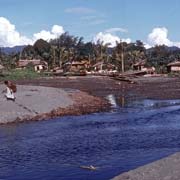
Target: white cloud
[79,10]
[127,40]
[57,30]
[48,35]
[147,46]
[114,30]
[108,38]
[9,36]
[159,36]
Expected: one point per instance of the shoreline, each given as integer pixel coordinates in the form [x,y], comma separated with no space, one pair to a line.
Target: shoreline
[85,95]
[158,88]
[34,103]
[76,109]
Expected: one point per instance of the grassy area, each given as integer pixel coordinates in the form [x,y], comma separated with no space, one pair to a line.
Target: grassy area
[20,74]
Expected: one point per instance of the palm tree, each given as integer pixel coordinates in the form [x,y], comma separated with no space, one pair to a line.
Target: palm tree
[120,53]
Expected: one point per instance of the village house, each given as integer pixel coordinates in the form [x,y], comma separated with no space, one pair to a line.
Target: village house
[140,66]
[38,64]
[101,66]
[76,66]
[173,67]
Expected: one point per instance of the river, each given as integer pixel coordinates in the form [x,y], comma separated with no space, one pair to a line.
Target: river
[131,135]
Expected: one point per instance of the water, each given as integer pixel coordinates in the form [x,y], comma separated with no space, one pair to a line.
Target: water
[133,134]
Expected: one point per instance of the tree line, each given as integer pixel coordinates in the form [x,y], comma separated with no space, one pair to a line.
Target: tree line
[68,48]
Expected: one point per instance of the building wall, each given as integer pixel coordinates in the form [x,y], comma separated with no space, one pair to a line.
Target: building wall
[39,67]
[175,68]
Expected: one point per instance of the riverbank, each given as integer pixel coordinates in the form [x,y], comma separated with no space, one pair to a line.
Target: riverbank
[46,98]
[144,87]
[39,103]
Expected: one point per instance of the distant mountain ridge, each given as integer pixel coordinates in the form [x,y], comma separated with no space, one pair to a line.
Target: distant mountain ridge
[15,49]
[168,48]
[173,48]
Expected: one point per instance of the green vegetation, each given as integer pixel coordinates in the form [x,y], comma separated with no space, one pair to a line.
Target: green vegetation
[67,48]
[15,74]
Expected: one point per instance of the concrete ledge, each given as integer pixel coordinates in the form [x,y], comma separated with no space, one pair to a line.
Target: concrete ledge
[165,169]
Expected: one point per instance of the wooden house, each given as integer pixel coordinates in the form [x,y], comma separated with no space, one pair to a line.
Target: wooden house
[173,66]
[38,64]
[76,66]
[101,66]
[139,66]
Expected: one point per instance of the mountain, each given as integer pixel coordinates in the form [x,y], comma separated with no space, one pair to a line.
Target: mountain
[168,48]
[173,48]
[15,49]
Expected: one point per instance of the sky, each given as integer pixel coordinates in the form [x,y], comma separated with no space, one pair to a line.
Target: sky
[154,22]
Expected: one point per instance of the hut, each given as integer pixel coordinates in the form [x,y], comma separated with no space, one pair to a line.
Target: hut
[173,66]
[101,66]
[139,65]
[76,66]
[38,64]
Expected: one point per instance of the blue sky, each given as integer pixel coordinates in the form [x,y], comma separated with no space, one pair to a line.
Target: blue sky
[133,19]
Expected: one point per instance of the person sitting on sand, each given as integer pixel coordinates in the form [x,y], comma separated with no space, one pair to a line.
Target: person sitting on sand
[10,89]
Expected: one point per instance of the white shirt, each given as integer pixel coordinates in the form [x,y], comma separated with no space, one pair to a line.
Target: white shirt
[9,93]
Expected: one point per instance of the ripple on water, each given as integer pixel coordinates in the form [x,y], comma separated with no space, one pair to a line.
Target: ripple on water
[115,142]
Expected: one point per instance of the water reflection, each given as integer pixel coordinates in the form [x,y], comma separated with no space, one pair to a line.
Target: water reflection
[116,102]
[153,104]
[112,100]
[122,101]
